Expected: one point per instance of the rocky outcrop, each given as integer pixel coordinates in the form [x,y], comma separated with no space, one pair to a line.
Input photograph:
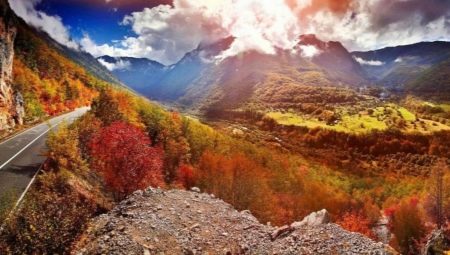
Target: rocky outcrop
[437,243]
[11,102]
[156,221]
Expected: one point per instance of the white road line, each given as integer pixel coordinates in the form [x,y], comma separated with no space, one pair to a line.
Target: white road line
[22,196]
[38,125]
[28,145]
[20,133]
[26,190]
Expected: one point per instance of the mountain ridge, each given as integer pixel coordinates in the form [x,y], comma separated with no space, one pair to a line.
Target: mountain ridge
[401,67]
[200,80]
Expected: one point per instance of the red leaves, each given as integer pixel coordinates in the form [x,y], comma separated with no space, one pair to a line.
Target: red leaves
[186,176]
[122,153]
[356,222]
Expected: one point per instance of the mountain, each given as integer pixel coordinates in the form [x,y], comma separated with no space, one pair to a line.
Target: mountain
[40,77]
[202,81]
[81,58]
[11,103]
[409,67]
[190,68]
[335,59]
[263,80]
[140,74]
[88,62]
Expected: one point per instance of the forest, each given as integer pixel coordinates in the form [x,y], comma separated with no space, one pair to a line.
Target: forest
[128,136]
[282,154]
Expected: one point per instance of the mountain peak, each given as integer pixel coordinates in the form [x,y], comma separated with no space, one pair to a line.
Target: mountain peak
[311,39]
[215,48]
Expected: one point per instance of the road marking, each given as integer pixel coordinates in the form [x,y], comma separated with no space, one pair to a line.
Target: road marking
[26,189]
[20,133]
[28,145]
[22,196]
[38,125]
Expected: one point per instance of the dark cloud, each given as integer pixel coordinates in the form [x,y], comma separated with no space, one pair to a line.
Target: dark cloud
[124,5]
[388,12]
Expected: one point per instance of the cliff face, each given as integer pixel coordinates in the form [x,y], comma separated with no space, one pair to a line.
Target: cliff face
[11,103]
[156,221]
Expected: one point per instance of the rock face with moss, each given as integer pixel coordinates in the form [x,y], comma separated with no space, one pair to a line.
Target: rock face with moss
[157,221]
[11,102]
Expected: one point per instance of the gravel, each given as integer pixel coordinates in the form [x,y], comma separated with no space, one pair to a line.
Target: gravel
[157,221]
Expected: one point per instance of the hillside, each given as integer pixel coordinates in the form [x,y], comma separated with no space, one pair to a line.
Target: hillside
[272,139]
[11,102]
[199,81]
[42,78]
[180,222]
[405,67]
[140,74]
[52,78]
[236,81]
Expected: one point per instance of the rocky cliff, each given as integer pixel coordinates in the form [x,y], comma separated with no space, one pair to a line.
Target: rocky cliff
[156,221]
[11,103]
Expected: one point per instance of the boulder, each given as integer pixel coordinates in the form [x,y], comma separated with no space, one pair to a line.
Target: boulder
[314,219]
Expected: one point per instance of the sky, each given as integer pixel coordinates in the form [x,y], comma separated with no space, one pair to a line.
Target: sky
[165,30]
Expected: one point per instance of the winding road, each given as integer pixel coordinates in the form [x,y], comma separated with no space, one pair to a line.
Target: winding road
[22,155]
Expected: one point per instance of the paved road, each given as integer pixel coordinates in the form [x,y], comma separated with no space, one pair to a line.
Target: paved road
[22,155]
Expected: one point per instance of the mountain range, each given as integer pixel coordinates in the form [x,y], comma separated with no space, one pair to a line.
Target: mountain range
[201,81]
[420,67]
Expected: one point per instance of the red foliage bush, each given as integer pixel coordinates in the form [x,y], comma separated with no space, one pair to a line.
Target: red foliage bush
[122,153]
[356,222]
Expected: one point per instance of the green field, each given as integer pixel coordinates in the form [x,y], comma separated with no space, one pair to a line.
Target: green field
[378,118]
[349,123]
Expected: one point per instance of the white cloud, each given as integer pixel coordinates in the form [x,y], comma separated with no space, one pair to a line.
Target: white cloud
[261,25]
[165,33]
[398,60]
[369,62]
[52,25]
[309,51]
[118,65]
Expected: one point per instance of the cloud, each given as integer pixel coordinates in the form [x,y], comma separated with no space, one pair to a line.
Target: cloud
[166,32]
[380,23]
[118,65]
[309,51]
[52,25]
[369,62]
[390,12]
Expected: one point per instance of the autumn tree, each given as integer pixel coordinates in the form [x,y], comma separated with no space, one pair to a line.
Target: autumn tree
[407,226]
[356,222]
[185,176]
[87,126]
[122,153]
[176,147]
[64,152]
[238,180]
[439,194]
[106,107]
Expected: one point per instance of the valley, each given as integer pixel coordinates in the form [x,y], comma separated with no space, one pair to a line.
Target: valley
[217,145]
